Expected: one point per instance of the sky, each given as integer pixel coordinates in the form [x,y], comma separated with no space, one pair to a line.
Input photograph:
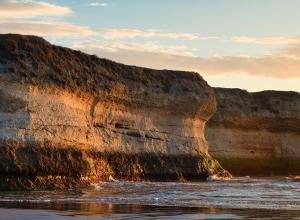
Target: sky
[247,44]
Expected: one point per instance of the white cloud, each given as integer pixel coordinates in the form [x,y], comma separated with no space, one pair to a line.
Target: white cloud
[253,83]
[30,9]
[132,33]
[276,41]
[123,33]
[284,64]
[98,4]
[292,52]
[55,29]
[154,47]
[32,18]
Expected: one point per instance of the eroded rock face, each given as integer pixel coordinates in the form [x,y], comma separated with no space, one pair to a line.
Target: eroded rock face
[256,133]
[67,119]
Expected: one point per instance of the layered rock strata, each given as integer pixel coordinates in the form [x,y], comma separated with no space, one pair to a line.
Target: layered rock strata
[256,133]
[68,119]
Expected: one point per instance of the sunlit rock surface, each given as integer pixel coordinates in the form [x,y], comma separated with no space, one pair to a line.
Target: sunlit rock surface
[256,133]
[68,119]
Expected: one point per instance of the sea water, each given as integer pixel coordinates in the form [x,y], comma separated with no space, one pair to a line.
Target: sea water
[237,198]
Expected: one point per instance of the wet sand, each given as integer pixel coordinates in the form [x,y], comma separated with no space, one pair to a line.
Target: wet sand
[239,198]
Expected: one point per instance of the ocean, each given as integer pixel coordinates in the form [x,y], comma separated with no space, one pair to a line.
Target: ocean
[237,198]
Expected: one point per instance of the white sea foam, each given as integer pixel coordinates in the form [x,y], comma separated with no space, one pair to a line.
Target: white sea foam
[217,178]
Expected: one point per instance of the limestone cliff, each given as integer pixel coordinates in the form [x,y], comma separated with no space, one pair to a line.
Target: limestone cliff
[67,119]
[256,133]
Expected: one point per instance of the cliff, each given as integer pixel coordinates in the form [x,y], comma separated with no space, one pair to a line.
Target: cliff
[68,119]
[256,133]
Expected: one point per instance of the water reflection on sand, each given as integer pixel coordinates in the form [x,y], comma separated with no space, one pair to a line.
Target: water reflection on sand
[239,198]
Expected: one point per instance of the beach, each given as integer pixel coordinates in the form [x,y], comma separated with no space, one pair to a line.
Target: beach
[238,198]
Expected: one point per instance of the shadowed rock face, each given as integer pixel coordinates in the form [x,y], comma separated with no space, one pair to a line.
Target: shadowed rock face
[67,119]
[256,133]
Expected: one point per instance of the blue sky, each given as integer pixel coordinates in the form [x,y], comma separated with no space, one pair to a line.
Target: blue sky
[222,18]
[251,44]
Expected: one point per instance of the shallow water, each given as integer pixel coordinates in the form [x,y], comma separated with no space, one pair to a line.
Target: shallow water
[238,198]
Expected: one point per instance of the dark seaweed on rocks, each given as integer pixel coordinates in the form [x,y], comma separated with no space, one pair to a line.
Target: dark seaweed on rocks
[40,168]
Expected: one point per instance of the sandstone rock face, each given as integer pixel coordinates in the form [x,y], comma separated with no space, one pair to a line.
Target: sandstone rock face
[256,133]
[67,118]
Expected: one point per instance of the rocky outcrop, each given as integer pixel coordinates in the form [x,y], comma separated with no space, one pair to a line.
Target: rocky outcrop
[68,119]
[256,133]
